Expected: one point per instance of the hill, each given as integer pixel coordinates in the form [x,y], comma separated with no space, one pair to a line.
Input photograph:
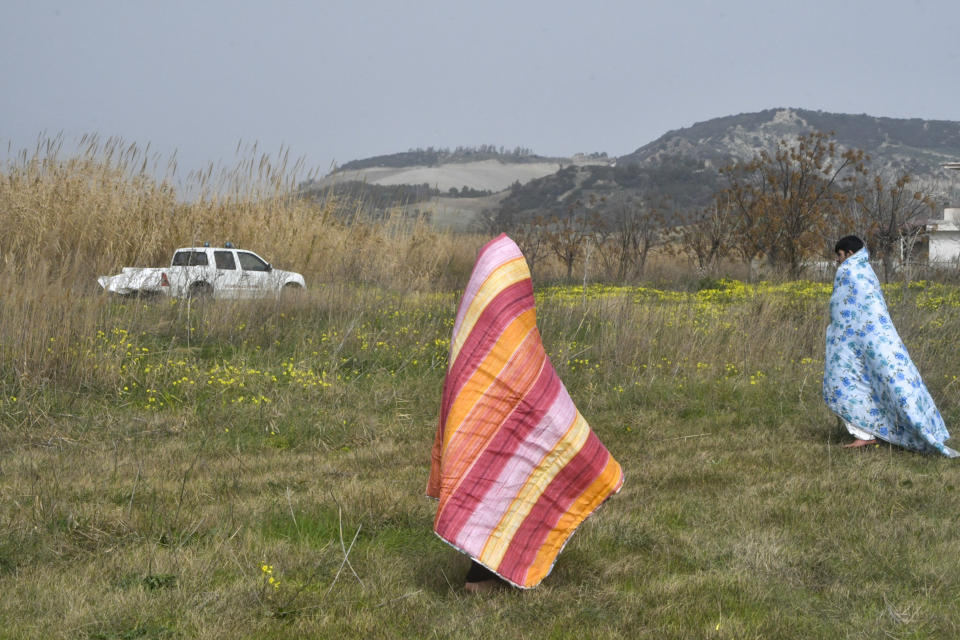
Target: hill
[432,157]
[912,145]
[680,167]
[477,168]
[672,181]
[453,187]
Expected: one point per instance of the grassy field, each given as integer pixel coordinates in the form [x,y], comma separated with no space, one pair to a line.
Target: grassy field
[257,470]
[204,472]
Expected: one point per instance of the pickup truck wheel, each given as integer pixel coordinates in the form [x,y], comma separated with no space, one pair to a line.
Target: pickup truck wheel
[200,291]
[291,291]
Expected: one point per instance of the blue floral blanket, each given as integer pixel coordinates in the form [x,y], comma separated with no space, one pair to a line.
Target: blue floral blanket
[869,379]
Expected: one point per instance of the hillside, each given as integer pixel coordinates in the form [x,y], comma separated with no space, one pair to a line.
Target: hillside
[453,188]
[443,171]
[681,166]
[915,146]
[432,157]
[483,175]
[673,182]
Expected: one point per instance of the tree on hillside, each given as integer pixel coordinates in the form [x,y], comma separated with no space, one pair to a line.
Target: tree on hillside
[630,229]
[531,237]
[705,235]
[495,221]
[892,217]
[568,234]
[783,202]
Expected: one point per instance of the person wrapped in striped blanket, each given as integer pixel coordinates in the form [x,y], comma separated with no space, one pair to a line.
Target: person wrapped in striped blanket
[515,467]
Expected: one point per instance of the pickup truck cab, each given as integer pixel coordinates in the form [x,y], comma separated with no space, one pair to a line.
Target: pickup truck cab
[216,272]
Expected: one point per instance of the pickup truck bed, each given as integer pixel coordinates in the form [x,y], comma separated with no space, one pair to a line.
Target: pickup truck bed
[132,281]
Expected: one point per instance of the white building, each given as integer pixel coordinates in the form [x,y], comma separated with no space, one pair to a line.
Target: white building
[944,235]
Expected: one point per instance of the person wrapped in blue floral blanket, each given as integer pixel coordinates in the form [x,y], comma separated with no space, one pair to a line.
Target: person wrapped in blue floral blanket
[869,379]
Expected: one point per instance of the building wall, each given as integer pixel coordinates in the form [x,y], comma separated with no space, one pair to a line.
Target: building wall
[944,246]
[945,237]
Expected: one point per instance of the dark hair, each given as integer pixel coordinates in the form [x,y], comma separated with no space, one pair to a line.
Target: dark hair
[848,243]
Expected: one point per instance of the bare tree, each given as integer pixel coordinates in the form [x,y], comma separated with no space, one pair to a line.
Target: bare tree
[893,216]
[495,221]
[568,235]
[531,237]
[785,201]
[605,244]
[706,234]
[627,232]
[640,228]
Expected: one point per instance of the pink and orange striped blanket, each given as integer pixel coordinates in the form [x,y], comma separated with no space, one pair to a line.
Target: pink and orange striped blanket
[515,467]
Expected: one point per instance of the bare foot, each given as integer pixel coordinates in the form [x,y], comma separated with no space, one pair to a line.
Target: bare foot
[484,586]
[860,443]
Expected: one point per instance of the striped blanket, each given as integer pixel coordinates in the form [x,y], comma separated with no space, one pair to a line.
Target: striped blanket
[515,467]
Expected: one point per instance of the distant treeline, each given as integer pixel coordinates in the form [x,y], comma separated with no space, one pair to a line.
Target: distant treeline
[432,156]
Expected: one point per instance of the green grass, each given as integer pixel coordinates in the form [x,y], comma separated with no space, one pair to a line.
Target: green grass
[303,429]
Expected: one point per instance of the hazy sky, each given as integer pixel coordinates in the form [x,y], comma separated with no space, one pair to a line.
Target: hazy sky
[339,80]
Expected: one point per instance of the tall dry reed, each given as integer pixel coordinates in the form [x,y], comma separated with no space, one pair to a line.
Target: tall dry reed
[67,217]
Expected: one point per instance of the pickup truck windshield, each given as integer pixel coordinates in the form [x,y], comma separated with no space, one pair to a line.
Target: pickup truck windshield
[189,259]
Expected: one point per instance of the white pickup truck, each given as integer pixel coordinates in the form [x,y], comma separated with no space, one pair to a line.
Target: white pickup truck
[215,272]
